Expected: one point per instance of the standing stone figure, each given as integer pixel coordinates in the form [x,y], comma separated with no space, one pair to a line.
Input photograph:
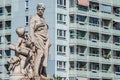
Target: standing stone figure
[39,36]
[31,53]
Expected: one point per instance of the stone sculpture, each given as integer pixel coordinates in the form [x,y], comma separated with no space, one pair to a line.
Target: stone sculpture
[30,60]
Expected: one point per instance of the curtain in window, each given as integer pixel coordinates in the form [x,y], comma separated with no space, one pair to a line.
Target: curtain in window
[83,2]
[106,8]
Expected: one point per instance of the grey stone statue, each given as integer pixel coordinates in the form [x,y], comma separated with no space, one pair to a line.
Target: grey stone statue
[30,60]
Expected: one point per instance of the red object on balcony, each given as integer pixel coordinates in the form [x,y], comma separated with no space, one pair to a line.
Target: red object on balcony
[83,2]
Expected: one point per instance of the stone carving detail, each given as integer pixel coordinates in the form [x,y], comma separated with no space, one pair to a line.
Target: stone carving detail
[31,52]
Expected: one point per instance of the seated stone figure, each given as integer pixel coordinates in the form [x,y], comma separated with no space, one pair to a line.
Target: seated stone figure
[23,55]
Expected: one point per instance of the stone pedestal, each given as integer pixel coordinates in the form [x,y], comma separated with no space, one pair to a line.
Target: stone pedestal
[17,77]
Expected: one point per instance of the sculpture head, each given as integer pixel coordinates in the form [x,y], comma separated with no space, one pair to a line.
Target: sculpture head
[20,31]
[40,9]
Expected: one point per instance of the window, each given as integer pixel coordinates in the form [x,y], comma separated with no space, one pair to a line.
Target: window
[116,54]
[106,8]
[105,67]
[0,39]
[94,36]
[1,25]
[7,24]
[61,18]
[81,65]
[1,70]
[72,18]
[8,9]
[61,3]
[117,68]
[116,25]
[81,18]
[72,3]
[94,21]
[0,54]
[72,64]
[105,23]
[72,78]
[8,38]
[71,49]
[26,20]
[105,38]
[26,4]
[61,65]
[80,34]
[72,34]
[63,78]
[82,8]
[94,52]
[116,39]
[1,10]
[94,6]
[7,52]
[116,11]
[94,79]
[61,49]
[94,66]
[80,49]
[106,53]
[61,34]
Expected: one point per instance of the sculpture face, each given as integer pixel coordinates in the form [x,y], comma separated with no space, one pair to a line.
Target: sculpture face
[40,11]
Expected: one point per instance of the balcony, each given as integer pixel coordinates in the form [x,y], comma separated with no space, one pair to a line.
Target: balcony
[93,73]
[105,30]
[78,41]
[8,31]
[116,61]
[93,58]
[106,61]
[116,17]
[106,15]
[78,57]
[117,74]
[78,25]
[78,73]
[116,2]
[116,45]
[94,13]
[5,16]
[75,9]
[105,45]
[93,28]
[107,74]
[115,32]
[7,2]
[106,1]
[93,43]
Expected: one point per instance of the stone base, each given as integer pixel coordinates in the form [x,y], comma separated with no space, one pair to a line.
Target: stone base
[22,77]
[17,77]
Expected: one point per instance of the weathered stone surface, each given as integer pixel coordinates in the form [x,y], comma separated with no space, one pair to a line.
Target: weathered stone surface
[31,53]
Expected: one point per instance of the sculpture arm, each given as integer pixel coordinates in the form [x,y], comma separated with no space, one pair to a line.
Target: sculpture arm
[32,26]
[19,41]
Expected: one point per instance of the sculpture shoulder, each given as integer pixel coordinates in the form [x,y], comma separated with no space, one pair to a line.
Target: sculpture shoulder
[34,17]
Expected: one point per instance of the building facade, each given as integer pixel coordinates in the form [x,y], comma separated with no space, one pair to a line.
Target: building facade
[85,36]
[85,39]
[94,39]
[5,37]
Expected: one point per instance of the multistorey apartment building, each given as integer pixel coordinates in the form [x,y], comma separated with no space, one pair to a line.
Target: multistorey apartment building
[91,29]
[5,37]
[94,39]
